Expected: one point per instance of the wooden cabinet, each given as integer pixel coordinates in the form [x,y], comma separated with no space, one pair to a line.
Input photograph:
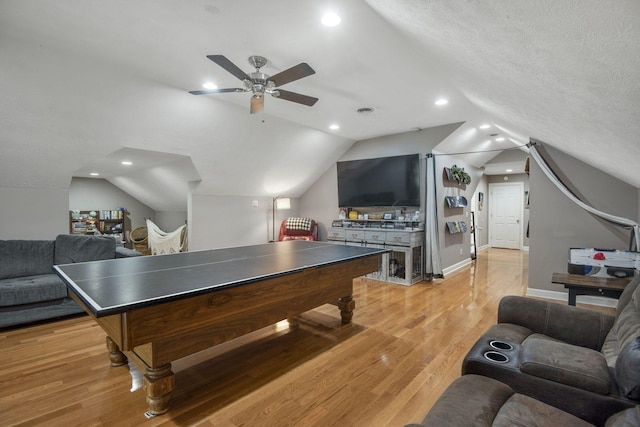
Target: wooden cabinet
[403,264]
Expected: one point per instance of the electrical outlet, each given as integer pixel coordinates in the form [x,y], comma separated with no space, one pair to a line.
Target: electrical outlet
[460,251]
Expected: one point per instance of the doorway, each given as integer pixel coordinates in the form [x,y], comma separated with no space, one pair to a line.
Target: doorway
[505,215]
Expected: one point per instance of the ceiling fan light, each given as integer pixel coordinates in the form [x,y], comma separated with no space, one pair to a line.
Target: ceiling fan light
[209,85]
[257,104]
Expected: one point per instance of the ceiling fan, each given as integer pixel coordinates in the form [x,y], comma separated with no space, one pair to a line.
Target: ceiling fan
[260,84]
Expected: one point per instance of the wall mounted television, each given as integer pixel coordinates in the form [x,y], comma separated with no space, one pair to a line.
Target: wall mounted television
[379,182]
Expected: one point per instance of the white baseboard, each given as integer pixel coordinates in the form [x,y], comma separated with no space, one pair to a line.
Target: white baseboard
[563,296]
[456,267]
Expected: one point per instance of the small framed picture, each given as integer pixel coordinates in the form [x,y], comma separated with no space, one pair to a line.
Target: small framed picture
[388,216]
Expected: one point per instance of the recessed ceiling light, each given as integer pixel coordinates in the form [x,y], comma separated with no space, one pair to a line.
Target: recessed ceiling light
[509,170]
[500,139]
[209,85]
[330,19]
[442,101]
[126,163]
[334,127]
[94,174]
[485,126]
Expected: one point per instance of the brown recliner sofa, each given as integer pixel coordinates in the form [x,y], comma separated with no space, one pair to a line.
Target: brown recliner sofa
[477,401]
[583,362]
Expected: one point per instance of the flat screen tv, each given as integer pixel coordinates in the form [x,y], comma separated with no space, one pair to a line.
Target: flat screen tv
[380,182]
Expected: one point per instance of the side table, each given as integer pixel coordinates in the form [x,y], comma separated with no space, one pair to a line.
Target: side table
[579,284]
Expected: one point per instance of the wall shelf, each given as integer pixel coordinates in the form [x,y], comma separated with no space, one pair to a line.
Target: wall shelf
[456,201]
[455,227]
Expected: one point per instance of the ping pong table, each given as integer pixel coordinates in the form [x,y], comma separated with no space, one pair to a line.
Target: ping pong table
[158,309]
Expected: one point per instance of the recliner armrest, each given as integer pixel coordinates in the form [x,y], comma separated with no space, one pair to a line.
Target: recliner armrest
[573,325]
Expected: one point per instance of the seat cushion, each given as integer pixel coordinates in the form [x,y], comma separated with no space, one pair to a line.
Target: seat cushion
[474,400]
[568,364]
[523,411]
[31,289]
[469,400]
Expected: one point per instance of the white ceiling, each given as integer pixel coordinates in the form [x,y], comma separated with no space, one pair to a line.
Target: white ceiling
[85,81]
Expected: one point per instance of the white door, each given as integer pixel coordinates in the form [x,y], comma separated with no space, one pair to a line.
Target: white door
[505,215]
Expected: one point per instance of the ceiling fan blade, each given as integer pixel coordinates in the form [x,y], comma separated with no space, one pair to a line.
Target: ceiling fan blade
[229,66]
[295,97]
[294,73]
[207,91]
[257,104]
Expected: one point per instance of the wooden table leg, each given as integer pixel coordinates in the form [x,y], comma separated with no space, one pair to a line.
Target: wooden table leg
[346,305]
[159,384]
[116,356]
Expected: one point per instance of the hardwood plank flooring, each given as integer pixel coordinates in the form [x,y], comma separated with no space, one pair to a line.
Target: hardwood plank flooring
[404,347]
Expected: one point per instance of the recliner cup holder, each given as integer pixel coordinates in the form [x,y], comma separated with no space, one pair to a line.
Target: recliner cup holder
[500,345]
[495,356]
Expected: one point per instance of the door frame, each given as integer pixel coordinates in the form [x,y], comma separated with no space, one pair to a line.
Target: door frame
[492,185]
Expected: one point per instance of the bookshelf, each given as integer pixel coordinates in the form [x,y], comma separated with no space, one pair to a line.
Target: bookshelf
[106,222]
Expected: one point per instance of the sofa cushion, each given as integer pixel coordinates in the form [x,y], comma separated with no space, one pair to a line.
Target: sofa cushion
[628,370]
[625,329]
[474,400]
[626,295]
[523,411]
[482,399]
[31,289]
[566,364]
[626,418]
[25,258]
[72,248]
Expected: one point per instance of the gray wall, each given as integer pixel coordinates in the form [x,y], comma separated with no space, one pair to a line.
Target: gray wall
[33,213]
[454,248]
[227,221]
[169,221]
[558,224]
[320,201]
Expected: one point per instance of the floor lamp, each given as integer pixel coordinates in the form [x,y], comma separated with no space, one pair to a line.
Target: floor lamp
[279,203]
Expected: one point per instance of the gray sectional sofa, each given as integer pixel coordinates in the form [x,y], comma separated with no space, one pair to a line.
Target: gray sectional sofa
[29,289]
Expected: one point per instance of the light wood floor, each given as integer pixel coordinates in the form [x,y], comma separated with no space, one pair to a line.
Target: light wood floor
[404,347]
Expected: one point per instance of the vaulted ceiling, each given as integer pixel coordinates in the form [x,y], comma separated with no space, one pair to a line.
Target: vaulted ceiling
[86,83]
